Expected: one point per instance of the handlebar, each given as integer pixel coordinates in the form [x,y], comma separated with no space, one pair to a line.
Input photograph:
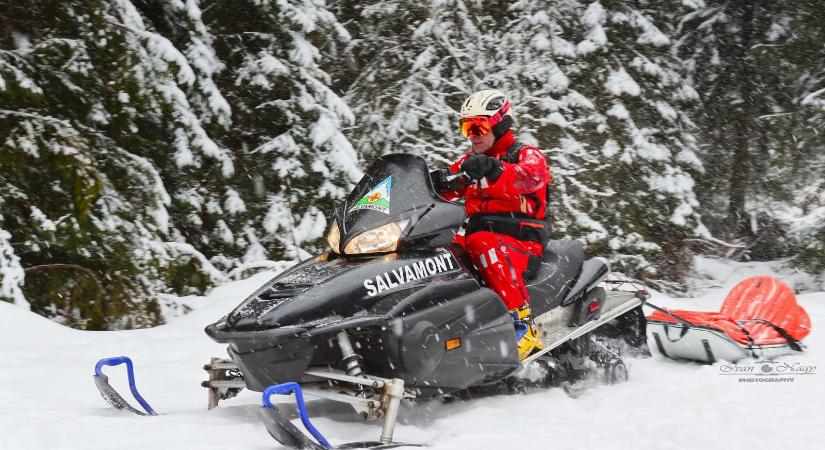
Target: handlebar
[456,176]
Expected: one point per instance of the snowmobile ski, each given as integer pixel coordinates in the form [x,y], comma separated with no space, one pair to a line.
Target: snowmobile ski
[111,395]
[280,428]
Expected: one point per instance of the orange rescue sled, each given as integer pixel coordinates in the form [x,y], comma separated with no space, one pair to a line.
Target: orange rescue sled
[759,318]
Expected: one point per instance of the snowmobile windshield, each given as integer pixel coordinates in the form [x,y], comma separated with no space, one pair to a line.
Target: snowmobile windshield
[393,194]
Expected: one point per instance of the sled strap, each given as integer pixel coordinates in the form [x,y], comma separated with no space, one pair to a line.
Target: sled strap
[751,342]
[682,333]
[793,344]
[668,312]
[289,388]
[130,371]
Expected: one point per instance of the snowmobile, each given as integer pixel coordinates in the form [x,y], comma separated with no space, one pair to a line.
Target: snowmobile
[396,311]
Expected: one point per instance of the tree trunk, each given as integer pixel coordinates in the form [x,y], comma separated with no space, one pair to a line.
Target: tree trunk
[740,172]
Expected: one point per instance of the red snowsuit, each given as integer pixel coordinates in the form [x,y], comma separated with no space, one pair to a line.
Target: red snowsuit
[521,189]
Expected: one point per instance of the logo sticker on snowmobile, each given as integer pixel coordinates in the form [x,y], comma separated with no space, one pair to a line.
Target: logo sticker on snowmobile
[377,199]
[418,270]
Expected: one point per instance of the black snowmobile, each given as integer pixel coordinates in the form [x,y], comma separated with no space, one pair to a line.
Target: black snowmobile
[396,311]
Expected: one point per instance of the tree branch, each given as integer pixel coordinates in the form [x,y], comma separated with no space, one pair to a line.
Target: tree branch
[89,272]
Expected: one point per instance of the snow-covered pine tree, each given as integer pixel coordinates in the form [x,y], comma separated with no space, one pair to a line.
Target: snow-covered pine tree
[754,64]
[713,45]
[143,151]
[82,210]
[593,85]
[804,160]
[807,211]
[294,162]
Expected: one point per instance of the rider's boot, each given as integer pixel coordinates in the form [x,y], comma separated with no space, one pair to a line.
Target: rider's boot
[527,335]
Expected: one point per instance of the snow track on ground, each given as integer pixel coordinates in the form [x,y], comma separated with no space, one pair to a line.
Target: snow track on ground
[48,398]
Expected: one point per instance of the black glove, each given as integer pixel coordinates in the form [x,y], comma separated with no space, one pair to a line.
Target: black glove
[478,166]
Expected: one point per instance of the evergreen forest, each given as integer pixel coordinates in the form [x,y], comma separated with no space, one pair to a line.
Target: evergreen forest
[153,149]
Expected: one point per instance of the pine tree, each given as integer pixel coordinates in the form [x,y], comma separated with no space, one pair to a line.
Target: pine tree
[802,168]
[151,147]
[754,63]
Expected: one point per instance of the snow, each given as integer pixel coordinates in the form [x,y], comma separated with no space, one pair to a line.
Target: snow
[666,404]
[190,197]
[312,226]
[41,221]
[809,98]
[540,42]
[233,203]
[20,78]
[557,80]
[557,119]
[666,111]
[594,17]
[179,249]
[278,216]
[258,72]
[563,47]
[254,250]
[620,82]
[303,53]
[11,272]
[619,111]
[610,148]
[22,44]
[223,231]
[650,33]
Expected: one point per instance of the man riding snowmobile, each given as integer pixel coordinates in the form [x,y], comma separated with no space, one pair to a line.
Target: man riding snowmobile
[505,192]
[396,310]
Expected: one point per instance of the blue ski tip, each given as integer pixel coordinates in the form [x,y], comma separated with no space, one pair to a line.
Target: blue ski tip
[130,371]
[289,388]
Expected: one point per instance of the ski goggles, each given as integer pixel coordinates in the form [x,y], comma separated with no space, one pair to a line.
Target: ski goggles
[475,126]
[481,125]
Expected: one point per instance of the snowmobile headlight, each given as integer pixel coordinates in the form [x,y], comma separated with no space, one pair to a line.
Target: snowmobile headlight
[377,240]
[334,237]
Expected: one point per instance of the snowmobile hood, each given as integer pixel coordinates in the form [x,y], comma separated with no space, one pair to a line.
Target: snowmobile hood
[330,288]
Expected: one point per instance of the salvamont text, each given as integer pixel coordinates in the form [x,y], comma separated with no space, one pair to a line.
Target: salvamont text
[411,272]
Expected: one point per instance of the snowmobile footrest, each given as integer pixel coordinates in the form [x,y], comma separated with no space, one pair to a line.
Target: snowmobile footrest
[570,333]
[111,395]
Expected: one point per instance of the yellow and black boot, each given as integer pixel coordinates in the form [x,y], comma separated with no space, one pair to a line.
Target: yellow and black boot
[527,335]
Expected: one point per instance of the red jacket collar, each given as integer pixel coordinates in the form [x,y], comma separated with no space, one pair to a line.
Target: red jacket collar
[501,145]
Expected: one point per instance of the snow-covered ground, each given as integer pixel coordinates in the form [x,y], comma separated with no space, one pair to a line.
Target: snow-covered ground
[48,398]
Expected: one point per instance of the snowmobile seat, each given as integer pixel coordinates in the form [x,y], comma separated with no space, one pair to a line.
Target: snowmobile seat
[560,266]
[758,313]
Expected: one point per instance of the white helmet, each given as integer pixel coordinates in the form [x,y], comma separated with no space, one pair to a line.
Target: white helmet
[492,104]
